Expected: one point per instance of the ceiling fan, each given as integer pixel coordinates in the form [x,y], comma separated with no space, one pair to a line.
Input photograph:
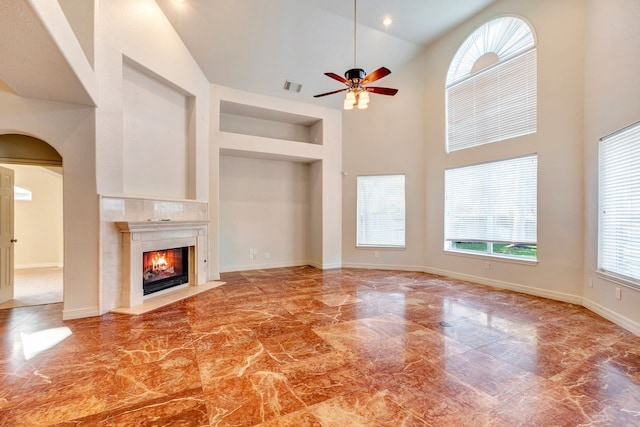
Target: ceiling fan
[356,79]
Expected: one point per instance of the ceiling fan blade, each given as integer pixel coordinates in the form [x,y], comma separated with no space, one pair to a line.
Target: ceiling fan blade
[381,90]
[376,75]
[337,77]
[330,93]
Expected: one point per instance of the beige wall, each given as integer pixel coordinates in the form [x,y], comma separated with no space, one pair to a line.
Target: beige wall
[38,223]
[135,34]
[387,138]
[264,205]
[91,141]
[323,180]
[558,143]
[70,130]
[81,14]
[156,144]
[612,101]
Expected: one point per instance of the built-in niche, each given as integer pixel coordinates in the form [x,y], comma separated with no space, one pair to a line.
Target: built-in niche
[255,121]
[158,135]
[265,213]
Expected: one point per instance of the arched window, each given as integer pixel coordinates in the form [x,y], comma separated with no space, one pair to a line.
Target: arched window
[492,85]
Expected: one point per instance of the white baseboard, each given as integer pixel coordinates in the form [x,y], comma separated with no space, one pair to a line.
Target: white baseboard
[611,315]
[263,266]
[79,313]
[325,266]
[559,296]
[36,265]
[278,265]
[384,267]
[315,264]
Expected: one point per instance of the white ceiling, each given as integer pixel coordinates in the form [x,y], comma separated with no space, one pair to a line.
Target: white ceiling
[38,65]
[255,45]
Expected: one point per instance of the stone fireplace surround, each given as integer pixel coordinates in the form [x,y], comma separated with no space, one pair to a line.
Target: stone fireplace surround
[146,212]
[145,236]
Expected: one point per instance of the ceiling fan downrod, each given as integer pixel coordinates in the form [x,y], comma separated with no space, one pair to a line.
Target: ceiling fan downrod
[355,32]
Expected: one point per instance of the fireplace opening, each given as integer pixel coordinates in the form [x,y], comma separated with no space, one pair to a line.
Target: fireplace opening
[164,269]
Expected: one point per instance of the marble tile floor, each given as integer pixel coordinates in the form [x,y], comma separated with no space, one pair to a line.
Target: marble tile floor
[303,347]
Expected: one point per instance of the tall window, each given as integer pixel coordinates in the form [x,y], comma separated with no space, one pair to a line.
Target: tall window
[491,85]
[619,199]
[381,211]
[492,208]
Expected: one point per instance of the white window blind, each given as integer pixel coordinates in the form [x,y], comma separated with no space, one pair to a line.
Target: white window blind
[619,199]
[495,104]
[504,37]
[492,202]
[381,210]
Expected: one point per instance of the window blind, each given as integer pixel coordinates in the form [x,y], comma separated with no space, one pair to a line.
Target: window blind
[495,104]
[506,36]
[381,210]
[492,202]
[619,200]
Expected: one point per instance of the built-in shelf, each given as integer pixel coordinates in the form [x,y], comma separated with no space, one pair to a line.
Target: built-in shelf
[262,122]
[268,148]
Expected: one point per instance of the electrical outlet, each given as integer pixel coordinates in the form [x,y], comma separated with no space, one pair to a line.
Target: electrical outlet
[591,282]
[618,293]
[267,255]
[376,254]
[487,265]
[250,253]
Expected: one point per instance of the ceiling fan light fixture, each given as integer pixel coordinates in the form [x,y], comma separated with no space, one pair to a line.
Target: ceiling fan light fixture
[350,98]
[356,78]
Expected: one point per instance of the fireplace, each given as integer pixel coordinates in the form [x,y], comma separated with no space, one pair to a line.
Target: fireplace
[164,269]
[178,249]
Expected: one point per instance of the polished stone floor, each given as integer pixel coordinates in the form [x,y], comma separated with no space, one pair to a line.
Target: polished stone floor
[303,347]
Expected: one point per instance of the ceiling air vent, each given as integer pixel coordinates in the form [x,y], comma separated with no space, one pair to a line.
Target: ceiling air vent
[291,86]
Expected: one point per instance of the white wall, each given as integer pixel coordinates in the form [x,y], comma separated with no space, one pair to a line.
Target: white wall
[155,133]
[81,17]
[387,138]
[324,177]
[136,34]
[38,222]
[558,143]
[264,204]
[70,130]
[612,101]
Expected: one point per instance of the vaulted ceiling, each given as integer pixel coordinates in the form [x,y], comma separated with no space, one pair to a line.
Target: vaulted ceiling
[252,45]
[255,45]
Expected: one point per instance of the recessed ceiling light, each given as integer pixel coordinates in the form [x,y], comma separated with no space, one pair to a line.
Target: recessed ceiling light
[180,1]
[386,21]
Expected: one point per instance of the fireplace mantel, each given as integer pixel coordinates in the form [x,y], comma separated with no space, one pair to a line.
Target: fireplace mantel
[158,225]
[144,236]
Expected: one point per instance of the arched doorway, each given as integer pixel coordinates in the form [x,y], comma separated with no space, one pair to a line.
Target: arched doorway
[38,230]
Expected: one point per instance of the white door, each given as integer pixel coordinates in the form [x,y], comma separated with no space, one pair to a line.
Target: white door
[6,234]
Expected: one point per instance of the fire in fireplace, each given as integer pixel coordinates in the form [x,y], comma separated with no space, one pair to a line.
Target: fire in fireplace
[164,269]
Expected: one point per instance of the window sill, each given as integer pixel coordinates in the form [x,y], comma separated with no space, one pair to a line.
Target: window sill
[618,280]
[495,257]
[393,248]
